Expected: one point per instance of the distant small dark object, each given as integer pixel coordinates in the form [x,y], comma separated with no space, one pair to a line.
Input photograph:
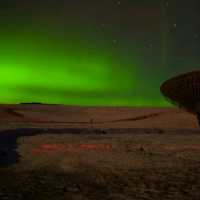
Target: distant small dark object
[142,149]
[36,103]
[184,91]
[33,103]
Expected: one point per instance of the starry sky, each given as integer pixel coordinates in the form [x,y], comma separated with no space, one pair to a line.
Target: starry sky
[95,52]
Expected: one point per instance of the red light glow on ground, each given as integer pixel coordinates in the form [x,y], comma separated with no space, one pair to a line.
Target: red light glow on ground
[53,148]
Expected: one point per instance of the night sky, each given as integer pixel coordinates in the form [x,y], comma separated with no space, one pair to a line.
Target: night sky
[95,52]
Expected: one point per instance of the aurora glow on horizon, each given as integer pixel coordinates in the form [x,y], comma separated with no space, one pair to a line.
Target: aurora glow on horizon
[81,57]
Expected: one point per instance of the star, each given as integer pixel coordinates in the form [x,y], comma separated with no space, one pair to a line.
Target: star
[150,45]
[175,25]
[102,25]
[114,41]
[119,3]
[196,36]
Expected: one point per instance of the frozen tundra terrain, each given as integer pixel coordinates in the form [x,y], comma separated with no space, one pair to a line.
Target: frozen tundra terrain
[63,152]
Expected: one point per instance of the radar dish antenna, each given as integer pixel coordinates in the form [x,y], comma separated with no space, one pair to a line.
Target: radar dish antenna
[184,92]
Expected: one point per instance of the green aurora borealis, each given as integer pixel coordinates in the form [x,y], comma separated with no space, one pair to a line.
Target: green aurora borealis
[77,66]
[50,70]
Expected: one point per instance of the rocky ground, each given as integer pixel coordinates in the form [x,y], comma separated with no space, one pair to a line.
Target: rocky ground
[109,166]
[90,153]
[88,183]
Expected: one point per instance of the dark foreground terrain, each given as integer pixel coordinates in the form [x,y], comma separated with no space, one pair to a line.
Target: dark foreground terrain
[88,183]
[104,166]
[98,154]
